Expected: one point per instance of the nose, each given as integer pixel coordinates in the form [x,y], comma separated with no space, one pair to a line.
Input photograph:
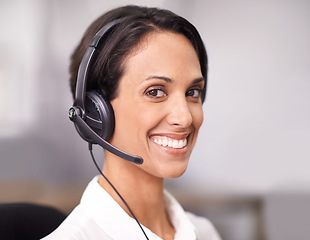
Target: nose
[179,113]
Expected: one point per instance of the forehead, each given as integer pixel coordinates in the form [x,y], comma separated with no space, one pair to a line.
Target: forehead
[163,52]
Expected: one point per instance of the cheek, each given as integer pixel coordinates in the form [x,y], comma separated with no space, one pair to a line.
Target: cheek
[197,114]
[122,122]
[132,119]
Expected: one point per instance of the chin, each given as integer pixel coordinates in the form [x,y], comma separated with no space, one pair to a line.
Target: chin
[175,175]
[171,171]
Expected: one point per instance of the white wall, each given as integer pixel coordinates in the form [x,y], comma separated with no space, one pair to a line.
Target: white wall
[256,132]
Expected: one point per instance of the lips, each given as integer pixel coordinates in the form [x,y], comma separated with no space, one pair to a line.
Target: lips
[170,142]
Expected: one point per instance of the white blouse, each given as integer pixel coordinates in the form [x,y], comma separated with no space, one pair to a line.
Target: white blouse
[98,216]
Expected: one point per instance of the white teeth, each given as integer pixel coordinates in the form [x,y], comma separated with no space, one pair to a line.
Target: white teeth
[175,144]
[170,143]
[165,142]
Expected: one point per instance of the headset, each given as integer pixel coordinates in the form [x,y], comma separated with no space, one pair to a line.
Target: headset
[93,115]
[91,112]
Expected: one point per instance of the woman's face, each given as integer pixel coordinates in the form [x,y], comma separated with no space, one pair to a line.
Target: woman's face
[158,109]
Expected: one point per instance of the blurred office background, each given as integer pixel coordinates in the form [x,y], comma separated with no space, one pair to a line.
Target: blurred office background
[249,172]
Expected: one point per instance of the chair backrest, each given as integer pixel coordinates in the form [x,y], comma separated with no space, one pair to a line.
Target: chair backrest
[28,221]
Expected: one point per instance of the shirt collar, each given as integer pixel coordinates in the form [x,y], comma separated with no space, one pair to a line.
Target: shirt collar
[184,228]
[106,212]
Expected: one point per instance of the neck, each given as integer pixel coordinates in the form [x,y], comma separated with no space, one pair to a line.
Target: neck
[142,191]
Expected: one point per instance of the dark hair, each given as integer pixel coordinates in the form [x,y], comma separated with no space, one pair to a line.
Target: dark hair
[107,66]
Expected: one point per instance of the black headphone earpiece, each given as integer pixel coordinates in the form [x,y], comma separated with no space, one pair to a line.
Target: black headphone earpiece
[99,116]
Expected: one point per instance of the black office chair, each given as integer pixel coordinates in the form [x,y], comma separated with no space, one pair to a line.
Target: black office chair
[28,221]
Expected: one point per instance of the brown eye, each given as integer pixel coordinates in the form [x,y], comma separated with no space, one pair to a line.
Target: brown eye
[195,93]
[156,93]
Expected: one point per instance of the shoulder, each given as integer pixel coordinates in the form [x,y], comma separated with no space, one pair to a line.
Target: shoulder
[205,229]
[70,228]
[78,226]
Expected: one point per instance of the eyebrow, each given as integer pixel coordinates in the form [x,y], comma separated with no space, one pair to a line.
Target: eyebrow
[166,79]
[198,80]
[169,80]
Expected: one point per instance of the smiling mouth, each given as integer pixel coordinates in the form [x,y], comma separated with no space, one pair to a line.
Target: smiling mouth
[169,142]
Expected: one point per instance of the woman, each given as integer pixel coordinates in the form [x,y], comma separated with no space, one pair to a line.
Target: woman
[152,68]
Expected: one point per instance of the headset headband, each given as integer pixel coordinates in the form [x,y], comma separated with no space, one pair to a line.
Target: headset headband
[81,83]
